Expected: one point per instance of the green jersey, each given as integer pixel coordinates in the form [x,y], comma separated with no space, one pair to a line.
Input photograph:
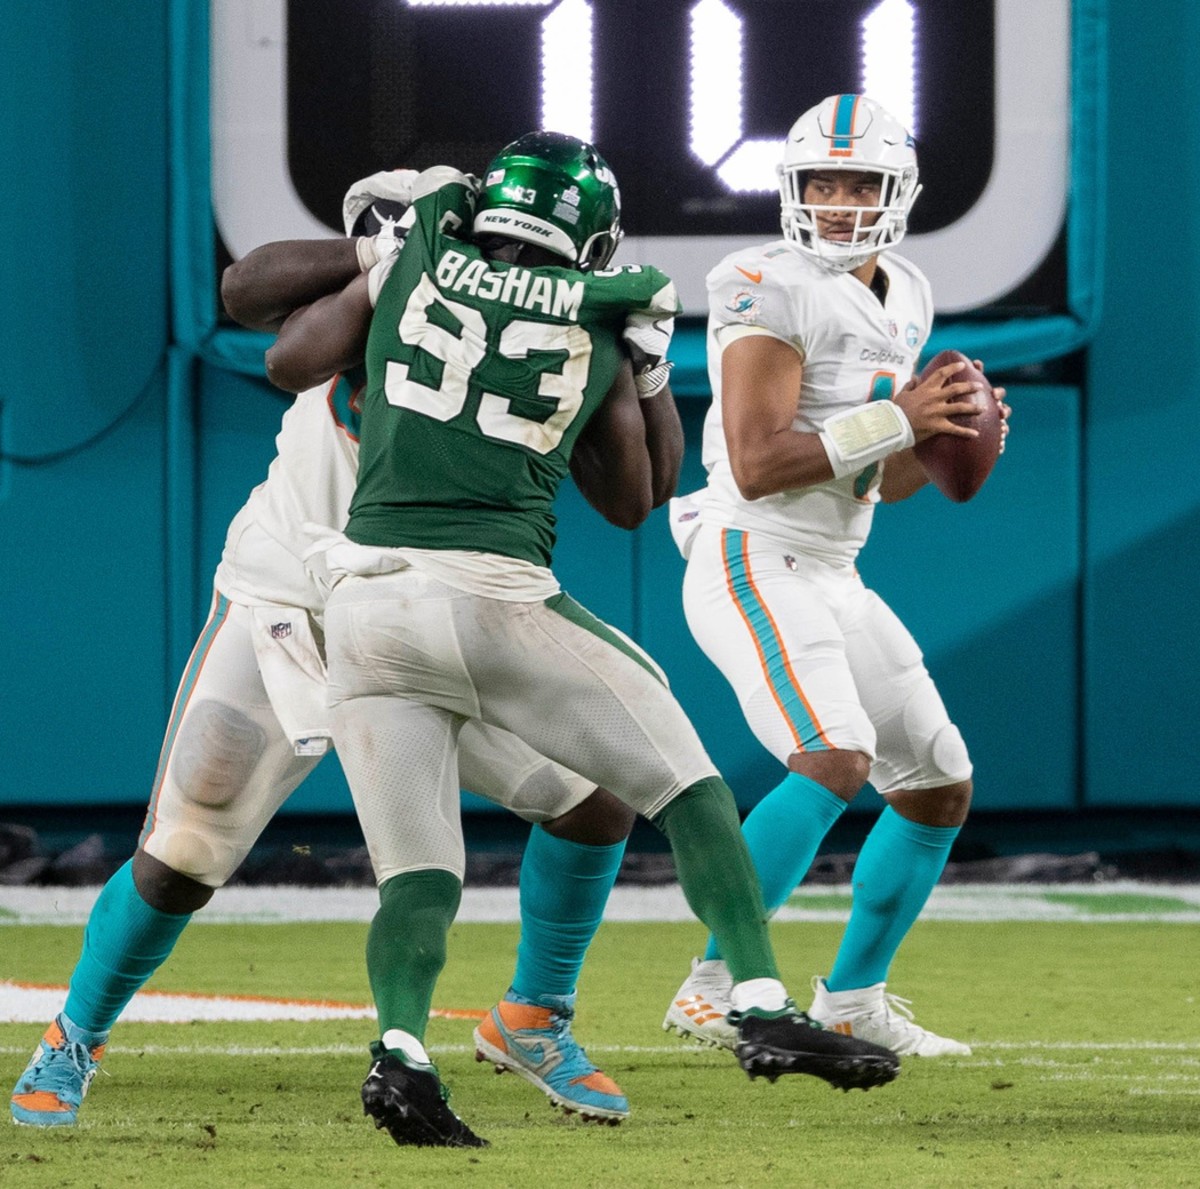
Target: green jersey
[480,377]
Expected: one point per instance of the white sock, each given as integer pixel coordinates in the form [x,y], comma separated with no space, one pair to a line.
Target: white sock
[407,1044]
[769,994]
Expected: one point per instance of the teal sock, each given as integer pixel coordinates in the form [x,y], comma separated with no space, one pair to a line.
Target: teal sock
[897,868]
[783,833]
[406,946]
[124,943]
[564,887]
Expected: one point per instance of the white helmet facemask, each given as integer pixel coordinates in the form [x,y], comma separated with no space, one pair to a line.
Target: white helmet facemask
[852,134]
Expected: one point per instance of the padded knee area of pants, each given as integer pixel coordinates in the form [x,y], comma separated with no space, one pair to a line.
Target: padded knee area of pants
[924,749]
[948,754]
[216,753]
[547,794]
[189,853]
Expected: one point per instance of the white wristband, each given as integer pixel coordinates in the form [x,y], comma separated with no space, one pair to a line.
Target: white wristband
[855,438]
[371,249]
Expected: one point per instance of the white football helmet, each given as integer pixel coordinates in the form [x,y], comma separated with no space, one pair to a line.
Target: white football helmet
[851,133]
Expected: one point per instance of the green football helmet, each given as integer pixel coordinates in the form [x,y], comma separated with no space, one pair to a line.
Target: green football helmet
[554,190]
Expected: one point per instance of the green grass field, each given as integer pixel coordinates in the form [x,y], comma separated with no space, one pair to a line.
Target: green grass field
[1085,1071]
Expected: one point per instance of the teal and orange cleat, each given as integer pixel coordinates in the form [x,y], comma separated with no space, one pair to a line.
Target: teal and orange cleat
[51,1090]
[535,1041]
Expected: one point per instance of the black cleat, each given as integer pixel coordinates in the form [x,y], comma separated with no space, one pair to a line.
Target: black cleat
[411,1103]
[773,1043]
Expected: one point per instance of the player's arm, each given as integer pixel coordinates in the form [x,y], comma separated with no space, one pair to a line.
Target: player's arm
[647,337]
[263,288]
[760,392]
[321,339]
[611,460]
[760,378]
[903,476]
[664,442]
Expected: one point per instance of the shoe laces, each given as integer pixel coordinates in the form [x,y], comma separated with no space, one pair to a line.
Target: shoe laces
[714,977]
[65,1068]
[898,1005]
[575,1063]
[898,1012]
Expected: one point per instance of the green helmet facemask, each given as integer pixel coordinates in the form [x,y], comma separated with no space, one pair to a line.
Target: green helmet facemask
[554,190]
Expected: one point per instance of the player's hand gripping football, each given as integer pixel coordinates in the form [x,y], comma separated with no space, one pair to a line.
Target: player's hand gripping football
[930,401]
[1005,409]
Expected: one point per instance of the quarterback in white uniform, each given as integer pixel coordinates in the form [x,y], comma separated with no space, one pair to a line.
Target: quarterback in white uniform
[249,723]
[812,344]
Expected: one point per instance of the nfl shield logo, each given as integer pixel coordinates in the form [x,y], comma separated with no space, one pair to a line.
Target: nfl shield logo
[280,631]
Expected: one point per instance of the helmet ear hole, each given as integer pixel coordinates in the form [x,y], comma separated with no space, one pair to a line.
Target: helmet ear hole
[598,251]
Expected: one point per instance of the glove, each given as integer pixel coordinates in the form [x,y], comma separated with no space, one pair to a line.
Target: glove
[646,339]
[371,249]
[388,185]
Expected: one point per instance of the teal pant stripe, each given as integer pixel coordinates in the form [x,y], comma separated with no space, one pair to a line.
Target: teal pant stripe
[770,647]
[187,683]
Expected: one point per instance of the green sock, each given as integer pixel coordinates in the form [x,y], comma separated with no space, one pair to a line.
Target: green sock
[717,875]
[406,946]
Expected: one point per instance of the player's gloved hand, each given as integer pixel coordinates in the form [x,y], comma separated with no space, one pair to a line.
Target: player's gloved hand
[388,185]
[647,339]
[371,249]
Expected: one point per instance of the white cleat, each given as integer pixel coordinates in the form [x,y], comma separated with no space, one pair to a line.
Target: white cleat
[869,1013]
[701,1005]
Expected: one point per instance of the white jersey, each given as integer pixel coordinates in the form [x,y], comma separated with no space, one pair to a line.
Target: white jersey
[854,349]
[310,482]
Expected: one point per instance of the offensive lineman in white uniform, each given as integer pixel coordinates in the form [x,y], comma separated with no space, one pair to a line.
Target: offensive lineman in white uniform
[249,724]
[812,342]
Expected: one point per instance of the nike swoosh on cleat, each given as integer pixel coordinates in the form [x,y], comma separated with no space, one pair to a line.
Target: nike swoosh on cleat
[755,277]
[534,1054]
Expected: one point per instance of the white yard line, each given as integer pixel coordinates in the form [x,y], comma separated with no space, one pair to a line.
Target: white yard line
[343,1050]
[958,902]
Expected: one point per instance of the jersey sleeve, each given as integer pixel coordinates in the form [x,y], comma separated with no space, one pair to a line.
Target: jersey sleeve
[444,202]
[650,324]
[754,298]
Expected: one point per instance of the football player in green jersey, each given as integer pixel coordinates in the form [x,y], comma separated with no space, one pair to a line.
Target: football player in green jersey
[494,341]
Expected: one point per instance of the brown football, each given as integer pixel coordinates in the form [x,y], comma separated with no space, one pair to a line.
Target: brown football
[959,466]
